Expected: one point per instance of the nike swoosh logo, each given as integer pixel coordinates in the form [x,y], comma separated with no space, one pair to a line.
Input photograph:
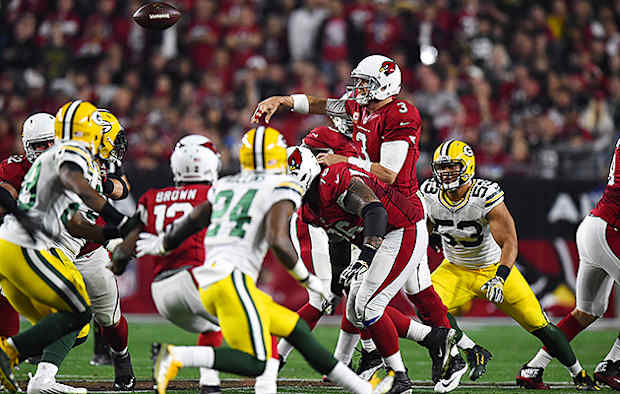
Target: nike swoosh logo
[337,179]
[440,352]
[404,123]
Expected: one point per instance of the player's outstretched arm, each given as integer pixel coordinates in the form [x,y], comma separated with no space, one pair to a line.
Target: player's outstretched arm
[123,252]
[300,103]
[503,231]
[362,201]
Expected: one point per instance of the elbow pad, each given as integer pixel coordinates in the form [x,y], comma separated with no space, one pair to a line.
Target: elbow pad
[375,219]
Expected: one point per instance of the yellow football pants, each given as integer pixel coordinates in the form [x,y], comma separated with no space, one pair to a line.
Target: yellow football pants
[247,315]
[40,282]
[457,286]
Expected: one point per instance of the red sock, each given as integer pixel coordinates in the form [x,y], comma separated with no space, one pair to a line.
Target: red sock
[570,327]
[384,335]
[365,334]
[401,322]
[210,338]
[347,326]
[310,314]
[431,309]
[274,348]
[10,318]
[117,335]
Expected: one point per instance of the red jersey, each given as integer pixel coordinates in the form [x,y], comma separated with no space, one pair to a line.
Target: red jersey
[326,138]
[158,208]
[403,211]
[608,207]
[396,121]
[13,169]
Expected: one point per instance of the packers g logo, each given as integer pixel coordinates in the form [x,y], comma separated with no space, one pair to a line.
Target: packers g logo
[387,67]
[468,151]
[294,161]
[105,125]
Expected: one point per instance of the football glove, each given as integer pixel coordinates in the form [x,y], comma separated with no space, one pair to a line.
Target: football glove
[434,241]
[315,284]
[150,244]
[119,261]
[350,273]
[328,306]
[494,289]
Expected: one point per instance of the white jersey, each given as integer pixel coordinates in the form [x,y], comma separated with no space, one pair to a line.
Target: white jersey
[465,232]
[47,201]
[236,236]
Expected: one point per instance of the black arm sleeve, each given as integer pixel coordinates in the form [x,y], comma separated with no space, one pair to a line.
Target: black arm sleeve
[375,219]
[340,258]
[7,201]
[180,231]
[125,188]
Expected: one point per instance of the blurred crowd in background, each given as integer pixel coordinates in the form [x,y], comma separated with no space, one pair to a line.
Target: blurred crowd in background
[533,86]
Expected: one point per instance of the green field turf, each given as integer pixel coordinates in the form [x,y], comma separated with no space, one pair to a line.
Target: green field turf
[511,347]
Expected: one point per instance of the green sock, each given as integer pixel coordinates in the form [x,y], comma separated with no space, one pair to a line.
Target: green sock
[48,330]
[459,332]
[56,352]
[315,354]
[237,362]
[557,344]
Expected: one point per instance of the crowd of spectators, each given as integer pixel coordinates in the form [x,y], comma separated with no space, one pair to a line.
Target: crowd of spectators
[534,86]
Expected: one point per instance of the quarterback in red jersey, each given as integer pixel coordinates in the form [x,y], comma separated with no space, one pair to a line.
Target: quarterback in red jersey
[598,244]
[355,206]
[195,164]
[37,137]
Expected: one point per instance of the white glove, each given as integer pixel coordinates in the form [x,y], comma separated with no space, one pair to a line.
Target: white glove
[328,306]
[315,284]
[494,289]
[150,244]
[113,243]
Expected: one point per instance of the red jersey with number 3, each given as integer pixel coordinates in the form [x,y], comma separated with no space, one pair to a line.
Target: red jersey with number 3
[396,121]
[327,212]
[608,207]
[158,208]
[325,138]
[13,169]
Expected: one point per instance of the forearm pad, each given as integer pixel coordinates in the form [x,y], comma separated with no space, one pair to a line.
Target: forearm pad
[7,201]
[180,231]
[125,192]
[375,219]
[111,215]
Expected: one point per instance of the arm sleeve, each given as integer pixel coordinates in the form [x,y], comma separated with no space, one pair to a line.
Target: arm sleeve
[394,154]
[493,197]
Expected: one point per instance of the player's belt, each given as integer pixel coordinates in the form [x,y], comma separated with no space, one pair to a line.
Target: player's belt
[168,273]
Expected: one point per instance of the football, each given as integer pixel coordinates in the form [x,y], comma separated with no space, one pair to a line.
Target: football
[156,16]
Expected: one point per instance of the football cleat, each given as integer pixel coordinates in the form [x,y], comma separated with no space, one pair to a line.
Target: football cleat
[531,378]
[124,378]
[210,390]
[382,386]
[8,360]
[165,366]
[608,372]
[49,385]
[439,342]
[477,358]
[101,359]
[452,377]
[583,382]
[402,384]
[370,362]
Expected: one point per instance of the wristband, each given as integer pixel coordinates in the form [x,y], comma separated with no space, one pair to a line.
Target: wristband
[300,103]
[111,215]
[108,186]
[363,164]
[110,232]
[299,271]
[503,272]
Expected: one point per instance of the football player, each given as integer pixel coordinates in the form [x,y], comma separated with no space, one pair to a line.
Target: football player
[195,165]
[352,204]
[37,137]
[45,214]
[247,214]
[387,131]
[479,242]
[599,266]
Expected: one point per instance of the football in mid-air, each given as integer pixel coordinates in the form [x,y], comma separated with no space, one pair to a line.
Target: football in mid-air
[156,15]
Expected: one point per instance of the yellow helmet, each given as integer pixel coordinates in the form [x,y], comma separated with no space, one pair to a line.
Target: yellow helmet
[447,155]
[114,140]
[263,149]
[78,121]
